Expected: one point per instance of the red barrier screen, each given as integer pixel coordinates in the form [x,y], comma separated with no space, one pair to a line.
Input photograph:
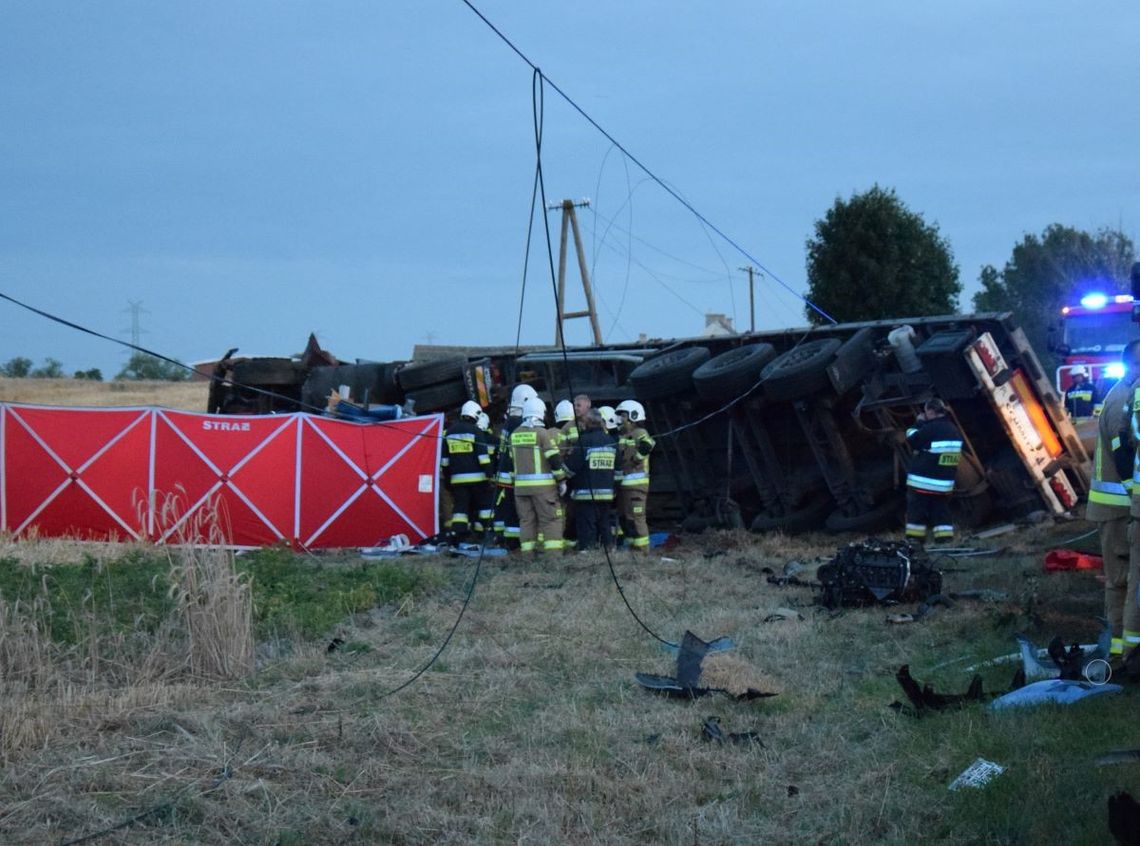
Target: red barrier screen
[134,473]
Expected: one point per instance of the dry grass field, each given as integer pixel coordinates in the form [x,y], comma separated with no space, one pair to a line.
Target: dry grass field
[530,727]
[185,396]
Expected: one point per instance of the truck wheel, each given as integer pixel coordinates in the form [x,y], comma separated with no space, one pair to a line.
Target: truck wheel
[800,371]
[438,397]
[667,374]
[731,374]
[884,515]
[414,376]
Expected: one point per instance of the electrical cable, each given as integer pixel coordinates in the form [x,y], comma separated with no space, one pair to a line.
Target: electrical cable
[538,109]
[536,98]
[214,377]
[643,167]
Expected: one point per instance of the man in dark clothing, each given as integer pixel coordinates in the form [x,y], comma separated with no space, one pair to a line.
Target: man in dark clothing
[937,446]
[592,460]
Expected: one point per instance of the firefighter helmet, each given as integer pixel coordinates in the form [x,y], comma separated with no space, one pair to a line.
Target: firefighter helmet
[564,411]
[519,395]
[470,410]
[534,409]
[633,409]
[483,422]
[609,417]
[1079,370]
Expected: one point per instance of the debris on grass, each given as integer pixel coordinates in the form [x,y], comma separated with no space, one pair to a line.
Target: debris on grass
[701,671]
[1055,691]
[978,774]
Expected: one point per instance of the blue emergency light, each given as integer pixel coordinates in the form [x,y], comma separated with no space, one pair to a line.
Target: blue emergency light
[1094,300]
[1114,370]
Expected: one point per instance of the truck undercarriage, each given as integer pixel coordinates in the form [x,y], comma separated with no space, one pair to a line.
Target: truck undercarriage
[786,430]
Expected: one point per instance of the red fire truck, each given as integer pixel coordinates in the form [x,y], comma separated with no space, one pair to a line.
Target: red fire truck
[1093,335]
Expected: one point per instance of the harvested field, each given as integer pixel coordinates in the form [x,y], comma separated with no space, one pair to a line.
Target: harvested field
[185,396]
[530,729]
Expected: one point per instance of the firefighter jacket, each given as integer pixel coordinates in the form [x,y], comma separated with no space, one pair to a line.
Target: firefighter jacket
[491,444]
[592,460]
[937,447]
[1079,399]
[465,459]
[504,476]
[567,436]
[535,458]
[1133,435]
[634,447]
[1111,486]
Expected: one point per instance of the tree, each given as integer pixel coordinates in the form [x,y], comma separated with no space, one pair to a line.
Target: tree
[1044,273]
[52,369]
[16,368]
[92,375]
[144,366]
[873,258]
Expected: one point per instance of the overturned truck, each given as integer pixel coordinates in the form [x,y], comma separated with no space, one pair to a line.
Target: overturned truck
[785,430]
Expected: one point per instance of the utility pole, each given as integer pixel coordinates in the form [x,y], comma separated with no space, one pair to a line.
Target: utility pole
[136,310]
[570,219]
[751,295]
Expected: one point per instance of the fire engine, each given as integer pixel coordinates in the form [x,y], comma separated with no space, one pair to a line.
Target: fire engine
[1093,335]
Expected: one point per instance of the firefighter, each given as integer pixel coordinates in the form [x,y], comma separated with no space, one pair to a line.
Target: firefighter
[1110,497]
[565,425]
[1081,396]
[537,472]
[592,463]
[465,463]
[937,447]
[634,446]
[485,496]
[506,515]
[1130,590]
[565,432]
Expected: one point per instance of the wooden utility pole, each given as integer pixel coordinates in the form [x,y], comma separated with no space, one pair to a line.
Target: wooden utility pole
[751,295]
[570,219]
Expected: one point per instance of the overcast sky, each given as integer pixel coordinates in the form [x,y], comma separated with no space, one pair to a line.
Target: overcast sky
[250,172]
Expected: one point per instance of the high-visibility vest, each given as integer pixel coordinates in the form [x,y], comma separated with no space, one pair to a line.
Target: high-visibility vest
[1109,494]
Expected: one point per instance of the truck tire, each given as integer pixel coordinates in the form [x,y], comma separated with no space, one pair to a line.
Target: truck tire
[667,374]
[439,397]
[411,377]
[800,371]
[732,374]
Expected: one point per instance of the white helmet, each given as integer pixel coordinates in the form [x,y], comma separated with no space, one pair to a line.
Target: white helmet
[1079,370]
[632,408]
[470,410]
[483,422]
[519,395]
[609,417]
[564,411]
[534,409]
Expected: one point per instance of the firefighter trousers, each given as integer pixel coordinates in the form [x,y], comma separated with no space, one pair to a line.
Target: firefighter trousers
[928,511]
[539,513]
[506,516]
[1121,586]
[592,520]
[464,506]
[631,512]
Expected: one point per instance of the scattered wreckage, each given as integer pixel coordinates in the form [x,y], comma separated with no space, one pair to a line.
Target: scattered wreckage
[784,430]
